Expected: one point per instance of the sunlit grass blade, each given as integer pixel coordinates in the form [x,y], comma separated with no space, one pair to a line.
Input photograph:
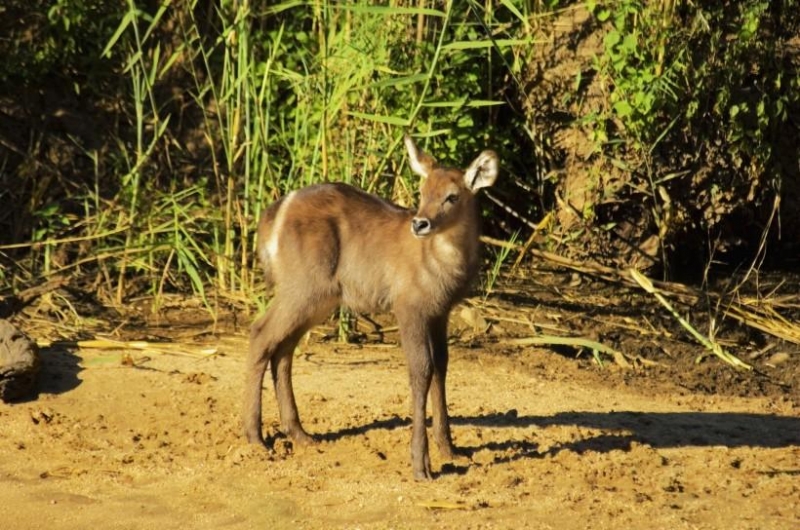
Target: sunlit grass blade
[388,10]
[484,44]
[576,342]
[463,102]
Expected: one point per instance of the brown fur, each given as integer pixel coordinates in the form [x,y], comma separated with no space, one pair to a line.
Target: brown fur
[333,244]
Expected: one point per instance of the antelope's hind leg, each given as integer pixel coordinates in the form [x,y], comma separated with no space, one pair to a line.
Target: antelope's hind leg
[281,368]
[256,365]
[273,339]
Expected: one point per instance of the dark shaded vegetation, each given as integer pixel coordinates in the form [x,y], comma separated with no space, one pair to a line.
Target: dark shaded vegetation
[139,142]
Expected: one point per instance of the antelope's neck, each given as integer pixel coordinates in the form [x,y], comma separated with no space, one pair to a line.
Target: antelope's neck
[455,252]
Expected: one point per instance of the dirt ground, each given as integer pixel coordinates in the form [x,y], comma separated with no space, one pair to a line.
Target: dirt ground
[151,438]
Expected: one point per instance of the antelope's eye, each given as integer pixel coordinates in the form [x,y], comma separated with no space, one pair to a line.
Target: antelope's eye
[452,198]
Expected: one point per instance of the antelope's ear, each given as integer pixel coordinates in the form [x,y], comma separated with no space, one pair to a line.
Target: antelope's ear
[482,172]
[421,162]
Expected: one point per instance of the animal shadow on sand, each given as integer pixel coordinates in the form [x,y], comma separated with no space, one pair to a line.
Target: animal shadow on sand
[624,429]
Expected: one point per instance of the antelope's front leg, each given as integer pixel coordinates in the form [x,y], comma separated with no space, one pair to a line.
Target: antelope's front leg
[414,336]
[441,420]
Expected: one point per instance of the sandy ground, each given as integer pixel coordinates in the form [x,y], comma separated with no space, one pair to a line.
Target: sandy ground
[141,440]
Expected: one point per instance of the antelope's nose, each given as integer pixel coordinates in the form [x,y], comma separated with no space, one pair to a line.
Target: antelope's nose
[420,226]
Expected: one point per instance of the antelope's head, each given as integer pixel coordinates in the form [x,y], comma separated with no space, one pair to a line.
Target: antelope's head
[447,195]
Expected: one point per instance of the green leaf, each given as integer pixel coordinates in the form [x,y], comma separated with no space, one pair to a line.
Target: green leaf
[462,102]
[629,43]
[381,118]
[398,81]
[623,109]
[123,25]
[517,13]
[611,39]
[482,44]
[484,103]
[388,10]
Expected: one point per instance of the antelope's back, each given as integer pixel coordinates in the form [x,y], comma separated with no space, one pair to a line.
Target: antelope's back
[330,231]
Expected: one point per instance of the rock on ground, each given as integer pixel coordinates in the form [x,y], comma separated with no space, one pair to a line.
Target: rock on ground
[19,363]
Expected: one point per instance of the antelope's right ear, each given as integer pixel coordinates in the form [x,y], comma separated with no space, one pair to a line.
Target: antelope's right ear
[482,172]
[421,162]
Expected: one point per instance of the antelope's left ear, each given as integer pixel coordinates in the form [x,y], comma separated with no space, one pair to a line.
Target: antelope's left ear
[482,172]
